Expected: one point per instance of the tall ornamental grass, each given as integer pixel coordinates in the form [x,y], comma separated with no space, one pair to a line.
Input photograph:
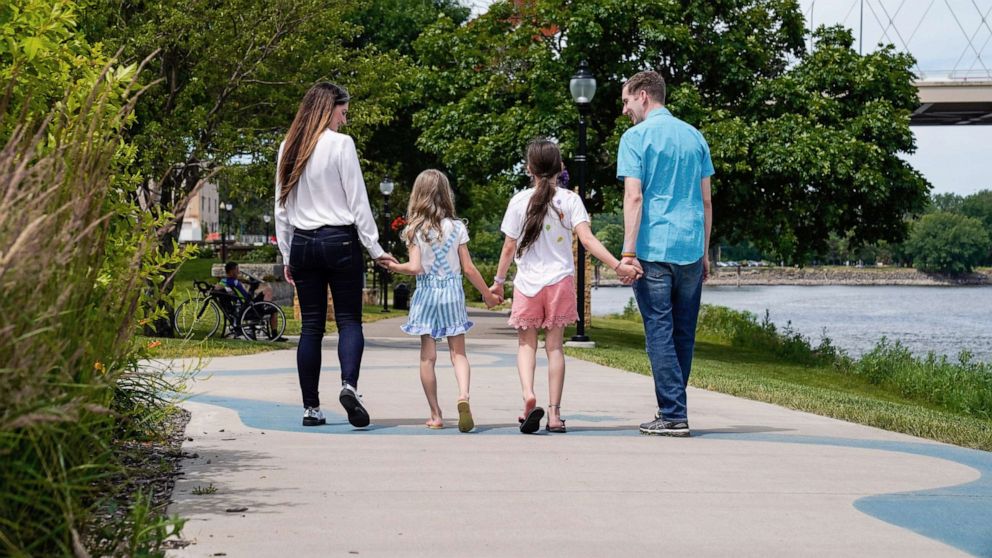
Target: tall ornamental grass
[75,261]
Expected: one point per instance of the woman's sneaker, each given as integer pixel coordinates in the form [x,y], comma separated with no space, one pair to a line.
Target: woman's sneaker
[662,427]
[312,416]
[352,403]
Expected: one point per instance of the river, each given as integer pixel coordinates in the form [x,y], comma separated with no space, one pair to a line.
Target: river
[946,320]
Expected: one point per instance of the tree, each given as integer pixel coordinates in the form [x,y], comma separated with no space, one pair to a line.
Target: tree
[946,202]
[233,74]
[46,62]
[947,243]
[979,206]
[800,150]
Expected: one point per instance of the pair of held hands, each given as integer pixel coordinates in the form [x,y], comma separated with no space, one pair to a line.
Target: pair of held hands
[386,261]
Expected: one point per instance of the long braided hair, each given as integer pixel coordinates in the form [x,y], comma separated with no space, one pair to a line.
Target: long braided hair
[544,163]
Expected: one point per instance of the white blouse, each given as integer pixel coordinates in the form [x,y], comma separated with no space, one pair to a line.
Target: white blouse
[331,191]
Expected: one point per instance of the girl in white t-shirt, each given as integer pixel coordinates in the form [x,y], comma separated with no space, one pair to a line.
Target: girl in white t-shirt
[538,225]
[438,246]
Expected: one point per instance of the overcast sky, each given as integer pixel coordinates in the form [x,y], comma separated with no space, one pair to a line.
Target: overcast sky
[936,32]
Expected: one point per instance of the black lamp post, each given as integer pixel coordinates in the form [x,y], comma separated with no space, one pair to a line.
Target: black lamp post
[386,187]
[583,88]
[267,218]
[227,207]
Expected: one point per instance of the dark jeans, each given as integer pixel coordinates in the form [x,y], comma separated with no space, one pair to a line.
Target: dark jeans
[328,256]
[668,297]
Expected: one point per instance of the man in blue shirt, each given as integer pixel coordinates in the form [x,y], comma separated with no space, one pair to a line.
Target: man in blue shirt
[665,166]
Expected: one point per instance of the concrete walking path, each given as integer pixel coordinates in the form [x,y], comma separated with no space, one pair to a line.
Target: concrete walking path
[754,480]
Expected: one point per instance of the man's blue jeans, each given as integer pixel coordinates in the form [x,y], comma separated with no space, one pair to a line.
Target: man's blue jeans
[668,297]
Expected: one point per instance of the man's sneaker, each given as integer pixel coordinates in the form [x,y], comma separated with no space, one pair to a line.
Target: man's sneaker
[352,403]
[662,427]
[312,416]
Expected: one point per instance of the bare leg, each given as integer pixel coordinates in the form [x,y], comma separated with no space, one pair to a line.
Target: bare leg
[556,372]
[526,361]
[456,349]
[428,358]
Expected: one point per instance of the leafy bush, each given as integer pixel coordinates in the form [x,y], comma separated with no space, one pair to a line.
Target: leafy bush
[947,243]
[262,254]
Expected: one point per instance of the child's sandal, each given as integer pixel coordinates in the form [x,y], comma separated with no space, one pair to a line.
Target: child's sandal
[560,429]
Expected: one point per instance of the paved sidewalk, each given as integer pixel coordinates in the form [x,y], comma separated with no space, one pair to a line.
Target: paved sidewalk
[754,480]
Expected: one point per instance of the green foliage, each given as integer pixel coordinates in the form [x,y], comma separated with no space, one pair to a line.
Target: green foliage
[233,75]
[964,386]
[42,56]
[979,206]
[611,236]
[262,254]
[631,312]
[947,243]
[945,202]
[742,329]
[803,143]
[75,269]
[488,271]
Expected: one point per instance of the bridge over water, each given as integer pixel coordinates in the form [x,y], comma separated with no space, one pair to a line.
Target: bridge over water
[950,39]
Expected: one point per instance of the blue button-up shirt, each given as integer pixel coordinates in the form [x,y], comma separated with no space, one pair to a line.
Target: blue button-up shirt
[670,158]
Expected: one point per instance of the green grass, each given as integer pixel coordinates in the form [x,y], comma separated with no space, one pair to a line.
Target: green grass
[196,269]
[163,348]
[369,314]
[209,348]
[761,375]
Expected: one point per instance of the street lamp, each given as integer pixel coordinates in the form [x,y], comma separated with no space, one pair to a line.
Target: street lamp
[386,187]
[267,218]
[583,89]
[223,230]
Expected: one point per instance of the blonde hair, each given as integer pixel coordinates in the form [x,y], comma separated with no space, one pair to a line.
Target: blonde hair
[431,201]
[312,118]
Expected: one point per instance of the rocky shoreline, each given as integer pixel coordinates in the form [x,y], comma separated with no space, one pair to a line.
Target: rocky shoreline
[843,276]
[821,276]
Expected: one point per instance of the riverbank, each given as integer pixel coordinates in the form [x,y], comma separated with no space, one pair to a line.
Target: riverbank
[889,391]
[830,275]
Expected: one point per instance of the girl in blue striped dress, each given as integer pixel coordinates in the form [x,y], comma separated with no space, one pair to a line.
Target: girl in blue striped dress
[438,246]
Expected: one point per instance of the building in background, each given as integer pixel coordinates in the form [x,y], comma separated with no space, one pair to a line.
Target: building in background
[202,216]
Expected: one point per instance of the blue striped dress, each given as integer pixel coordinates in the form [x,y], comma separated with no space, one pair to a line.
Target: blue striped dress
[438,306]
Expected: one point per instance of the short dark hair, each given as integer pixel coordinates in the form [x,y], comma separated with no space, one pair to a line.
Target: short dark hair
[229,266]
[649,81]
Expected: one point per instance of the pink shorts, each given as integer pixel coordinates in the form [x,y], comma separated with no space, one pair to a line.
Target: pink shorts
[552,306]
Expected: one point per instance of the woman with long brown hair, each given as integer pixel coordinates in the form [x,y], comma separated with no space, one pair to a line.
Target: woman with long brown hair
[322,214]
[538,225]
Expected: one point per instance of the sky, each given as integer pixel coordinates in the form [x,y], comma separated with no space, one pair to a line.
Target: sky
[955,159]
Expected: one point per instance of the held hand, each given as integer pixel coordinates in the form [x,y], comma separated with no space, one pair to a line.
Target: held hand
[289,275]
[490,299]
[627,273]
[497,289]
[634,262]
[385,259]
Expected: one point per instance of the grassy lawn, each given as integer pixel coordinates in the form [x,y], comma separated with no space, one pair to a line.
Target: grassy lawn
[198,268]
[822,390]
[369,314]
[208,348]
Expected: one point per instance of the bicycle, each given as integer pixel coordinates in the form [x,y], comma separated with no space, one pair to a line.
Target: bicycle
[201,316]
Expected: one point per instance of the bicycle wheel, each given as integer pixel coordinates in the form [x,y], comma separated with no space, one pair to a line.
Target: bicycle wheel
[197,318]
[263,320]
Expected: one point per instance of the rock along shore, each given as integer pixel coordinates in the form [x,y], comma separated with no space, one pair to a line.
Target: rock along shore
[810,276]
